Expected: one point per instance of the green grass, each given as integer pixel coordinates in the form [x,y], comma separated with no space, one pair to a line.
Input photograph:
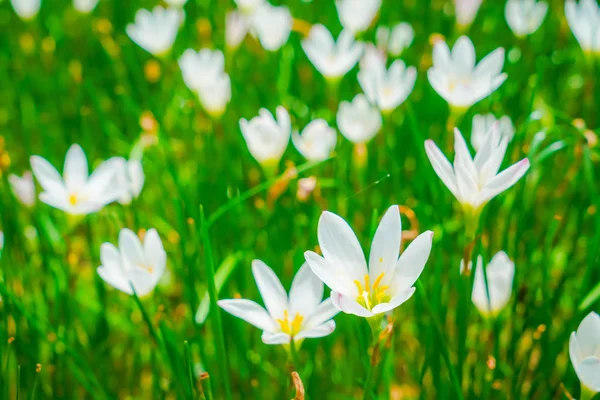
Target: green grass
[68,78]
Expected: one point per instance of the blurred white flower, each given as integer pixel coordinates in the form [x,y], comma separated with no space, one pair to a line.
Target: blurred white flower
[358,121]
[155,31]
[236,28]
[388,281]
[387,88]
[474,182]
[85,6]
[249,6]
[466,11]
[300,316]
[272,25]
[317,140]
[500,273]
[456,78]
[372,58]
[23,188]
[584,350]
[305,187]
[357,15]
[397,39]
[76,192]
[266,137]
[176,3]
[584,21]
[133,263]
[524,17]
[26,9]
[332,59]
[129,178]
[485,124]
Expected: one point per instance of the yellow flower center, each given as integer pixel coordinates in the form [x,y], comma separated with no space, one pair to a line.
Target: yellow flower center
[290,327]
[369,296]
[73,199]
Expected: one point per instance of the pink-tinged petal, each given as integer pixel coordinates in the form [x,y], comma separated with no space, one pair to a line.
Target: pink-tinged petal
[323,313]
[396,301]
[386,245]
[332,274]
[441,166]
[306,292]
[250,312]
[47,176]
[275,338]
[318,331]
[348,305]
[75,171]
[270,288]
[412,261]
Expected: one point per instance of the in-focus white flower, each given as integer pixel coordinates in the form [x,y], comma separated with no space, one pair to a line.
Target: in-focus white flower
[387,88]
[155,31]
[358,121]
[317,140]
[357,15]
[485,124]
[474,182]
[332,58]
[584,21]
[300,316]
[386,283]
[456,78]
[397,39]
[85,6]
[133,263]
[500,273]
[584,350]
[249,6]
[272,25]
[266,137]
[466,11]
[26,9]
[23,188]
[176,3]
[129,178]
[524,17]
[76,192]
[236,28]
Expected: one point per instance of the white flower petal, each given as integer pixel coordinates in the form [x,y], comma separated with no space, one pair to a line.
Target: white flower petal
[386,246]
[348,305]
[250,312]
[412,261]
[275,338]
[270,288]
[318,331]
[306,292]
[396,301]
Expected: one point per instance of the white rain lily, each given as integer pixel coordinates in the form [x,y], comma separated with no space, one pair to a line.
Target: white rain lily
[85,6]
[332,58]
[129,178]
[476,181]
[23,188]
[456,78]
[236,28]
[272,25]
[317,140]
[358,121]
[176,3]
[386,283]
[357,15]
[466,11]
[249,6]
[524,17]
[266,137]
[387,88]
[484,124]
[584,350]
[395,40]
[155,31]
[372,58]
[76,192]
[301,315]
[584,21]
[500,274]
[133,263]
[26,9]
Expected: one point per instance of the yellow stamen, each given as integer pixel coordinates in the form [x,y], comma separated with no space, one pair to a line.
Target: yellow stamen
[367,283]
[290,327]
[378,280]
[370,296]
[358,286]
[73,199]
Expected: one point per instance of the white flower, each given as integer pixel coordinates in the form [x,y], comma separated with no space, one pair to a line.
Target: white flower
[357,15]
[387,88]
[155,31]
[317,140]
[456,78]
[474,182]
[76,192]
[332,59]
[272,25]
[388,281]
[23,188]
[26,9]
[397,39]
[465,11]
[249,6]
[300,316]
[176,3]
[500,273]
[524,17]
[85,6]
[484,124]
[236,28]
[266,137]
[129,178]
[133,263]
[372,58]
[358,121]
[584,21]
[584,350]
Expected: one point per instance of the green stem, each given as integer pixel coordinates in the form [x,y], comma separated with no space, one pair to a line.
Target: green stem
[586,393]
[294,356]
[188,360]
[375,325]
